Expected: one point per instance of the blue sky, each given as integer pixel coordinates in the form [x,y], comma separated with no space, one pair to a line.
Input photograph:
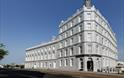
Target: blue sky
[25,23]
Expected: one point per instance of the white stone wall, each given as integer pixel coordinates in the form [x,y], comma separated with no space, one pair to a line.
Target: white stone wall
[36,57]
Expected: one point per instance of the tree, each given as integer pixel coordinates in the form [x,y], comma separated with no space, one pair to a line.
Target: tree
[3,52]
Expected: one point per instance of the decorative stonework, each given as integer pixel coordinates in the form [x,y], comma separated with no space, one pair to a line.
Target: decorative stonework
[88,3]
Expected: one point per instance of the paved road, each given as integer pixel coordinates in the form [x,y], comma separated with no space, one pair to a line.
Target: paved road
[9,73]
[13,73]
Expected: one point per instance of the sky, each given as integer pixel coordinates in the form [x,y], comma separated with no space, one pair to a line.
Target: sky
[25,23]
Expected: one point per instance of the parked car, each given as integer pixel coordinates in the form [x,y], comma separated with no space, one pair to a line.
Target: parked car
[1,66]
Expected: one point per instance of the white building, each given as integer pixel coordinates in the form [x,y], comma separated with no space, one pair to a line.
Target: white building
[86,42]
[120,67]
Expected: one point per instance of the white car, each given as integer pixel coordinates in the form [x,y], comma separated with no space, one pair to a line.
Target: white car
[1,66]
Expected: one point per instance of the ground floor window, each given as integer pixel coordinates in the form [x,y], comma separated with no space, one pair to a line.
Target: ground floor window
[60,63]
[54,64]
[66,62]
[81,64]
[71,61]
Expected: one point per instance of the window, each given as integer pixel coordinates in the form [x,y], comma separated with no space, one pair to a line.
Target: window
[49,48]
[61,30]
[96,37]
[88,13]
[71,62]
[66,62]
[71,51]
[103,50]
[80,38]
[41,56]
[89,48]
[66,34]
[89,36]
[41,64]
[60,37]
[97,18]
[65,27]
[53,47]
[60,63]
[61,45]
[49,55]
[71,41]
[88,26]
[66,53]
[99,38]
[97,49]
[97,27]
[80,28]
[75,21]
[71,24]
[79,18]
[102,41]
[45,64]
[66,43]
[80,49]
[45,55]
[54,64]
[81,63]
[71,32]
[105,34]
[88,23]
[102,31]
[60,53]
[88,16]
[53,55]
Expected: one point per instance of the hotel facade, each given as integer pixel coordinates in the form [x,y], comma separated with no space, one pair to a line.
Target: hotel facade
[85,42]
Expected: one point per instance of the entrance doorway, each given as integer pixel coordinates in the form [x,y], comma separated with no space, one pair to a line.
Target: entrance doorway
[90,64]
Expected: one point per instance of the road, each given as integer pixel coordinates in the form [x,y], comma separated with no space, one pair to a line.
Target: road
[11,73]
[14,73]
